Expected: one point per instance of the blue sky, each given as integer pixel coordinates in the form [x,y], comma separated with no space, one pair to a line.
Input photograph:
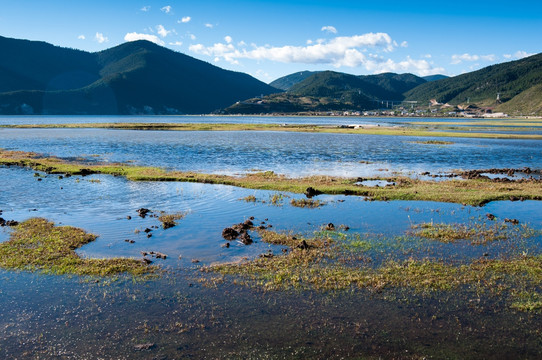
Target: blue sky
[270,39]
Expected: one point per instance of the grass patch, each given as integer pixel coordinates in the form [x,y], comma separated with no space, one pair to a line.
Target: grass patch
[38,245]
[471,191]
[323,266]
[306,203]
[170,220]
[476,233]
[365,130]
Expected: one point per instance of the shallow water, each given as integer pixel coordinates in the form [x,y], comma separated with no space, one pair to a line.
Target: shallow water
[72,318]
[293,154]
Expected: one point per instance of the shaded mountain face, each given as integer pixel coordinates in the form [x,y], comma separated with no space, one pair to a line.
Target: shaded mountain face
[434,77]
[386,86]
[483,86]
[133,78]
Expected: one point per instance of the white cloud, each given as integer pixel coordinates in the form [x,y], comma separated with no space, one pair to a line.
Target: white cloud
[338,51]
[329,29]
[135,36]
[420,67]
[192,37]
[162,31]
[518,55]
[352,51]
[404,44]
[210,26]
[99,37]
[241,43]
[81,37]
[166,9]
[185,19]
[176,43]
[145,8]
[228,39]
[458,59]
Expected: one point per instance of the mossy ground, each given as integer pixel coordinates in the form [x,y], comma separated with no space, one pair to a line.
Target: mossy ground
[472,192]
[38,245]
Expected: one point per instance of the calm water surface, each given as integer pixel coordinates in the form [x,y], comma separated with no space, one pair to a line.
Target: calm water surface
[73,318]
[293,154]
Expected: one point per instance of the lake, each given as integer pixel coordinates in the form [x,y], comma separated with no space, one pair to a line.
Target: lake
[187,313]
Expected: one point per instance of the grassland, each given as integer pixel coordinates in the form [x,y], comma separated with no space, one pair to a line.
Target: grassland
[362,130]
[38,245]
[472,192]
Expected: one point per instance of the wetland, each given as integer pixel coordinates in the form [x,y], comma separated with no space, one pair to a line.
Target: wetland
[403,241]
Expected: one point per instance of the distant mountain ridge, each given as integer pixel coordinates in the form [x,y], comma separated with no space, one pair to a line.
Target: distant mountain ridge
[132,78]
[490,86]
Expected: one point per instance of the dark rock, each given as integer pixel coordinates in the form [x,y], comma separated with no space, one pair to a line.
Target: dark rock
[251,218]
[490,216]
[149,235]
[129,241]
[226,245]
[129,217]
[146,261]
[248,223]
[310,192]
[147,230]
[143,212]
[12,223]
[84,172]
[512,221]
[229,234]
[245,238]
[330,227]
[2,222]
[303,245]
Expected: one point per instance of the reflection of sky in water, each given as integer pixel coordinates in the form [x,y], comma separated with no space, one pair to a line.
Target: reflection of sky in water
[294,154]
[102,208]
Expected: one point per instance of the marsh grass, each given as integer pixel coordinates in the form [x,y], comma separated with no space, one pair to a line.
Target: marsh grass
[367,130]
[307,203]
[472,192]
[38,245]
[327,265]
[477,233]
[170,220]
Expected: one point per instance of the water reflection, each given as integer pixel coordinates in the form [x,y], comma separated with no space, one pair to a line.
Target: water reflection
[293,154]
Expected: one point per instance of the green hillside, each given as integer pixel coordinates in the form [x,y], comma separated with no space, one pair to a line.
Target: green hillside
[482,86]
[286,82]
[132,78]
[529,102]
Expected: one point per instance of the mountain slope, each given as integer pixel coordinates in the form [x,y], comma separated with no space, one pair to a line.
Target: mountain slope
[286,82]
[482,86]
[135,77]
[528,102]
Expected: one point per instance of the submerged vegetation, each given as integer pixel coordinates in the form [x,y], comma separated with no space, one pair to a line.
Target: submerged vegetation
[476,191]
[329,262]
[38,245]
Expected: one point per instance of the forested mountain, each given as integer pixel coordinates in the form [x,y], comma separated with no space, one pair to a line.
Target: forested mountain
[286,82]
[132,78]
[483,86]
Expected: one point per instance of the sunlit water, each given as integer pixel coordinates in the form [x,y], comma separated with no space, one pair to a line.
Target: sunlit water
[294,154]
[70,318]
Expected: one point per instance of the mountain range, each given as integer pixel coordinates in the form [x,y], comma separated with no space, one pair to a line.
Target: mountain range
[133,78]
[141,77]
